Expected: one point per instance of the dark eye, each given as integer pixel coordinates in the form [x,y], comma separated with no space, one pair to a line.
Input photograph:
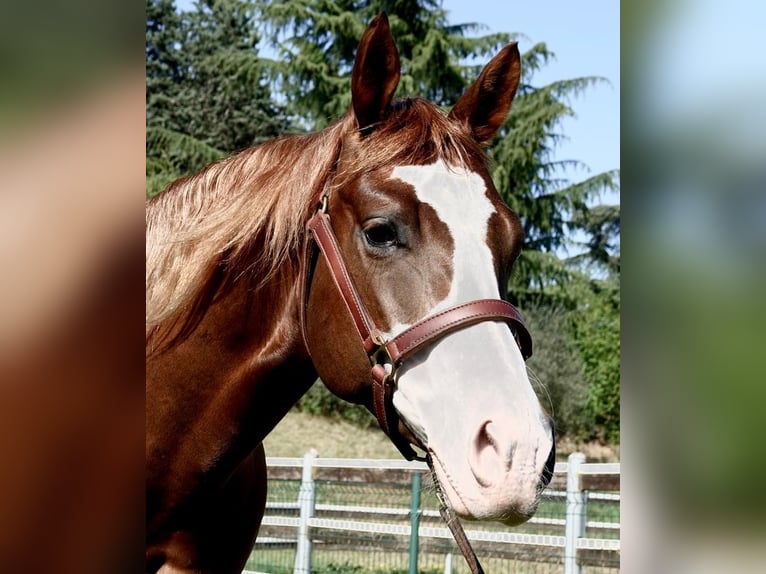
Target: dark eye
[380,234]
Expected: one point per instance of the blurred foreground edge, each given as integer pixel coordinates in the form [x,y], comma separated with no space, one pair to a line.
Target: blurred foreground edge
[71,309]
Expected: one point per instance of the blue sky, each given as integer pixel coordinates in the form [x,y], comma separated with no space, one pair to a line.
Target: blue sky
[586,39]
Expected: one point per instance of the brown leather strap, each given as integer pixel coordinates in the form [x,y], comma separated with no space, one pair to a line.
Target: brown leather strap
[426,332]
[459,317]
[319,227]
[449,516]
[388,419]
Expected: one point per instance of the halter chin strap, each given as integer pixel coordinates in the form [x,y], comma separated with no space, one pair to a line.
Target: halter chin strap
[387,355]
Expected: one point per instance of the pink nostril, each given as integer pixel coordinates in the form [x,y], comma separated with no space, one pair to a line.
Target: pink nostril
[489,459]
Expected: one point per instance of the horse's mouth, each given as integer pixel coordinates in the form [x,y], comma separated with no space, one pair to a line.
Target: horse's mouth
[445,482]
[510,512]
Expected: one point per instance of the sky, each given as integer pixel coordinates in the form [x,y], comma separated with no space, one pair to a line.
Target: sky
[585,37]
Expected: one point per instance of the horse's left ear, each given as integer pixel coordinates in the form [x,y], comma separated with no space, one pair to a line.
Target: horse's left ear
[485,105]
[376,73]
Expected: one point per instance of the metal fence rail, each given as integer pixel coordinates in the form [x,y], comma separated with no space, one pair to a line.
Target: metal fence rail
[349,516]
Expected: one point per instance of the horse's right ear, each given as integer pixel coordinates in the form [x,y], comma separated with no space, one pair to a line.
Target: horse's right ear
[376,73]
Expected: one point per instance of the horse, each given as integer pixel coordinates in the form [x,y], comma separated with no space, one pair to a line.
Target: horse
[371,254]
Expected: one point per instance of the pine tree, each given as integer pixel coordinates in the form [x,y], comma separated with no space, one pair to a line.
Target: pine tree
[165,61]
[165,74]
[532,182]
[317,40]
[206,92]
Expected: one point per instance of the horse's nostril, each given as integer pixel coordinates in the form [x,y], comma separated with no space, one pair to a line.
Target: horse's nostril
[490,456]
[485,438]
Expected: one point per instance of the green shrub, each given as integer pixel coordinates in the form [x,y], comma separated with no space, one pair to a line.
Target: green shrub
[319,401]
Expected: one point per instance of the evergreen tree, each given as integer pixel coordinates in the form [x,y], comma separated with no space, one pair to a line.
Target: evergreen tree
[532,183]
[317,40]
[166,66]
[206,93]
[601,225]
[164,60]
[595,327]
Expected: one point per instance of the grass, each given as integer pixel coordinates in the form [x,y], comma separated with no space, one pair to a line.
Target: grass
[280,561]
[300,432]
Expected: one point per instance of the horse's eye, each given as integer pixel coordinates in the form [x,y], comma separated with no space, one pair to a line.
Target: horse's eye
[380,234]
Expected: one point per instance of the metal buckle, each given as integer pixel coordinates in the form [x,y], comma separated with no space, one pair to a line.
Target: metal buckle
[382,356]
[323,204]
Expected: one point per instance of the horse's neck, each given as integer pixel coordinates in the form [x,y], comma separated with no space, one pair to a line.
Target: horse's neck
[218,393]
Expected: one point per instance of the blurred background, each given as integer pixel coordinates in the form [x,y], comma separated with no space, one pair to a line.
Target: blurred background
[71,298]
[695,238]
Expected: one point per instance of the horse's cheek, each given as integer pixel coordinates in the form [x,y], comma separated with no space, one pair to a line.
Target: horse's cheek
[334,346]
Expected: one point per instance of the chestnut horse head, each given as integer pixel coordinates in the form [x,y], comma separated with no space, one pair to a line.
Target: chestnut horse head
[373,254]
[421,229]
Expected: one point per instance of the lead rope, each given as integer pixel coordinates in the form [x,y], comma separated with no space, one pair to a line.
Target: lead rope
[449,516]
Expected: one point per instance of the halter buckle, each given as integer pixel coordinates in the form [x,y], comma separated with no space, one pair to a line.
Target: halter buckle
[382,356]
[323,203]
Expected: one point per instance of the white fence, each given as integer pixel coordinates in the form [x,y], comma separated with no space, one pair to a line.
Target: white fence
[569,540]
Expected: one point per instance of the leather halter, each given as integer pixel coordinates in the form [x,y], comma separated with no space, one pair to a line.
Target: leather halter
[387,355]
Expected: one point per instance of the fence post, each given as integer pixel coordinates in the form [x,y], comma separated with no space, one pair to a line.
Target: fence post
[448,563]
[575,524]
[306,503]
[414,521]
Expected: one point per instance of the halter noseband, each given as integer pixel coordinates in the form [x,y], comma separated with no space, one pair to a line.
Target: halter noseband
[387,355]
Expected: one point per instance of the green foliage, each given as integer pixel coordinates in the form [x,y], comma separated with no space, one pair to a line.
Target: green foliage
[206,94]
[556,371]
[601,223]
[532,183]
[317,41]
[174,154]
[319,401]
[596,330]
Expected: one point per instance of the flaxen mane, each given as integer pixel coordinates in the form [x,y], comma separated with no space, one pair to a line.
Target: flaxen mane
[263,196]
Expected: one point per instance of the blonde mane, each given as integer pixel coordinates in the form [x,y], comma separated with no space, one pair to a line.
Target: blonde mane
[261,198]
[261,192]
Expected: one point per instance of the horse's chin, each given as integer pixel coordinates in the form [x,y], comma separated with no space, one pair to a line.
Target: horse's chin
[499,503]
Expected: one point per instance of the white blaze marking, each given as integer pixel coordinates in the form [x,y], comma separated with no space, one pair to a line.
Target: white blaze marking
[459,198]
[478,354]
[474,375]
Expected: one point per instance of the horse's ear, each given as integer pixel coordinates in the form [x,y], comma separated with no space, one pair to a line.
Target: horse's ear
[485,105]
[376,73]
